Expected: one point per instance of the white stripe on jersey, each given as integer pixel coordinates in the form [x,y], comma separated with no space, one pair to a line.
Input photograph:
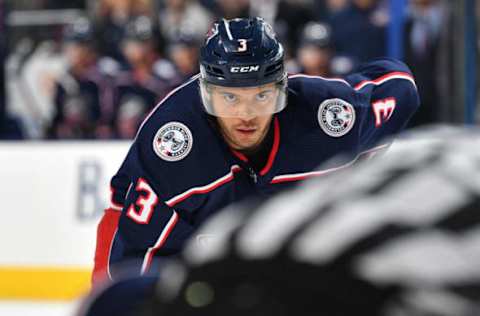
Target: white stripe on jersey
[303,175]
[110,253]
[147,260]
[385,78]
[378,81]
[318,77]
[204,189]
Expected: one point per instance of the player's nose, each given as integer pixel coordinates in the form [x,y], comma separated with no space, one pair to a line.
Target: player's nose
[246,113]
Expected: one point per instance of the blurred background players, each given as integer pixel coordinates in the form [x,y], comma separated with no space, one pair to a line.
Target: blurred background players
[289,17]
[184,17]
[316,55]
[82,92]
[359,30]
[315,51]
[377,244]
[143,83]
[230,9]
[358,33]
[111,19]
[184,53]
[426,28]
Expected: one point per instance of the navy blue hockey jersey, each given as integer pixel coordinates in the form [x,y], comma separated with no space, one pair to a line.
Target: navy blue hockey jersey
[179,170]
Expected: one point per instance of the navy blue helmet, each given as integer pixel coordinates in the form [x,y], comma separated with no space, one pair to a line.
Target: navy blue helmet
[242,53]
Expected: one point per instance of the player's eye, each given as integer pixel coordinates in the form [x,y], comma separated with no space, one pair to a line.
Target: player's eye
[230,98]
[263,96]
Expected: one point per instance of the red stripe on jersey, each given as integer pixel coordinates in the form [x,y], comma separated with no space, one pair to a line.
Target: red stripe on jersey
[239,155]
[385,78]
[204,189]
[305,175]
[302,176]
[274,151]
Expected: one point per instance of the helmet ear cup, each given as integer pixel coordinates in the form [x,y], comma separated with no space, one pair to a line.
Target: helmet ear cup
[242,53]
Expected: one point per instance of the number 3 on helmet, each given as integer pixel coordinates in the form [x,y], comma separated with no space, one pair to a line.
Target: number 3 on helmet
[242,53]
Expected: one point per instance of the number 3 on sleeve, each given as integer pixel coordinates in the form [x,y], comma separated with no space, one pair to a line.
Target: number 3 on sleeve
[383,110]
[146,203]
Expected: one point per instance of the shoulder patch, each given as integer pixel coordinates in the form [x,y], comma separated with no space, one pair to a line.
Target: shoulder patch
[173,141]
[336,117]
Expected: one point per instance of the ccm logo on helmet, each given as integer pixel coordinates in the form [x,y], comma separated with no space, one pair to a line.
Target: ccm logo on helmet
[245,69]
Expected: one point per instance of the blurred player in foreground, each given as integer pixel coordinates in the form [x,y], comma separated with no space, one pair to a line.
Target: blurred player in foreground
[393,236]
[227,134]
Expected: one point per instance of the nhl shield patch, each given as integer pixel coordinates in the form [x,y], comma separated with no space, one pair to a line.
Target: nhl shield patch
[336,117]
[173,141]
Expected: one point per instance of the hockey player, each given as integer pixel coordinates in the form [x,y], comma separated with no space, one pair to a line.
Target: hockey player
[377,244]
[227,134]
[139,87]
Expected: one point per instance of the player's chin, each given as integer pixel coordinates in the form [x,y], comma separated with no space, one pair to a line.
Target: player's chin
[247,145]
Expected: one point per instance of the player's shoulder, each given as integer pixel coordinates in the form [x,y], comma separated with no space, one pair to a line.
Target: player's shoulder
[310,91]
[177,106]
[380,71]
[372,73]
[385,65]
[167,133]
[173,139]
[304,83]
[378,79]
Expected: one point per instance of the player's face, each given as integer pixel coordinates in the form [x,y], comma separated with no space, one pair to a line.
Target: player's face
[78,55]
[244,103]
[313,59]
[137,52]
[244,134]
[253,114]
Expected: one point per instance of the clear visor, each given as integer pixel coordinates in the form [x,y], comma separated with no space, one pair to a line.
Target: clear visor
[244,102]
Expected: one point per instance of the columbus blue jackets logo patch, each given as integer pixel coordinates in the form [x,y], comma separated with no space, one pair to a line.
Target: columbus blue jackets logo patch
[336,117]
[173,141]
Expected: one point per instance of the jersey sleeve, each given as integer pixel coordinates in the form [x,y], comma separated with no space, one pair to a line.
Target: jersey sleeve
[108,225]
[147,227]
[386,90]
